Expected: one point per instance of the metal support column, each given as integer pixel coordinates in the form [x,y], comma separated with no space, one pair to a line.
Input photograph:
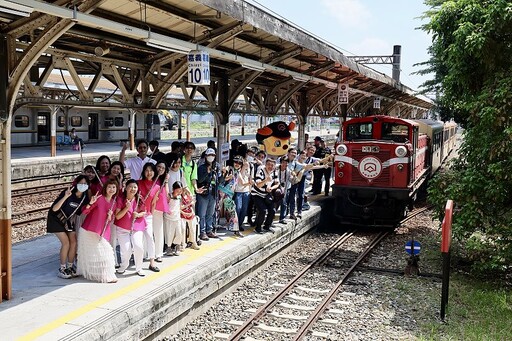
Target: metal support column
[243,125]
[397,50]
[131,129]
[180,115]
[302,120]
[5,178]
[188,127]
[53,130]
[149,127]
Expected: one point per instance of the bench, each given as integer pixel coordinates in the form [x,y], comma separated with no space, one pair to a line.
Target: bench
[65,140]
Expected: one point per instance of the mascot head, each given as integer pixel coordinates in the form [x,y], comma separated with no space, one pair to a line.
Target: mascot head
[275,138]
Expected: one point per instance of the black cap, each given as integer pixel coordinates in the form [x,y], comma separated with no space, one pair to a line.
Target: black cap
[318,138]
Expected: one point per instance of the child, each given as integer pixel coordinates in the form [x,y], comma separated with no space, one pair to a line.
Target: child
[175,233]
[189,218]
[96,261]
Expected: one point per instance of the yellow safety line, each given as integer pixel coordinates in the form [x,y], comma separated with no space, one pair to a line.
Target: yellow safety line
[193,255]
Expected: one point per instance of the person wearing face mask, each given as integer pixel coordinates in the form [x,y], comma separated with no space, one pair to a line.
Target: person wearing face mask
[62,221]
[207,178]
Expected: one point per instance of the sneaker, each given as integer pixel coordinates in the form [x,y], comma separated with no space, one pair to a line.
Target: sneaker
[140,273]
[64,273]
[212,235]
[204,237]
[119,271]
[299,216]
[282,222]
[238,234]
[194,247]
[306,207]
[269,229]
[73,273]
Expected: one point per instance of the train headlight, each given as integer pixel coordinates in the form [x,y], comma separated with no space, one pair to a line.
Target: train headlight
[341,164]
[400,167]
[401,151]
[341,149]
[340,174]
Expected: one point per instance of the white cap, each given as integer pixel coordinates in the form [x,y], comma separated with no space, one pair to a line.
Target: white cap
[209,151]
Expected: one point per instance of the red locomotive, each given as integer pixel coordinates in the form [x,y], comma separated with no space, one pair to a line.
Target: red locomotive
[380,164]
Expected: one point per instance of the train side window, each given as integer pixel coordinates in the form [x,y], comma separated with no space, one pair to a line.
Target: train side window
[61,121]
[21,121]
[118,121]
[109,122]
[76,121]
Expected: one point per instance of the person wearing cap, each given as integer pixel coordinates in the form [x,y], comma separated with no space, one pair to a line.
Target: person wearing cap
[322,153]
[208,175]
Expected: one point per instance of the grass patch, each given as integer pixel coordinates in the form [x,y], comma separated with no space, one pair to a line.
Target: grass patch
[476,311]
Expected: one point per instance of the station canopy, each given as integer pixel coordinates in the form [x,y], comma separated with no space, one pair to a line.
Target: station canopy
[141,48]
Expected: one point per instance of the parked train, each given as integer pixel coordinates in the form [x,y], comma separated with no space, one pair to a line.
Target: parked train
[381,162]
[31,125]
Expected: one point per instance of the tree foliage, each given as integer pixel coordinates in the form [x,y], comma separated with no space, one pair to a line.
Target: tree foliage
[471,56]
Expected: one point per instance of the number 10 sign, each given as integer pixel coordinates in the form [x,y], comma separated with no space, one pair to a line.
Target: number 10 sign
[198,68]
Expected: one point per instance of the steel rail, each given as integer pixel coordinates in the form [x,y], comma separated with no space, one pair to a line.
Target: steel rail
[306,326]
[237,334]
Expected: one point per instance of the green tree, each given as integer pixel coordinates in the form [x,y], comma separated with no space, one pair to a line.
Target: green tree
[471,57]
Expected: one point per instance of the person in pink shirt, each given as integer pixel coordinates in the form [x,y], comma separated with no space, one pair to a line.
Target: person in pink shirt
[130,225]
[96,256]
[160,205]
[148,188]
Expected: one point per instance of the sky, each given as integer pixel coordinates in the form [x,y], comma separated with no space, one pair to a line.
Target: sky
[364,27]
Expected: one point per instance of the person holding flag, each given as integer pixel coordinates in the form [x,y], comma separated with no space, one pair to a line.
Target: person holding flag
[96,256]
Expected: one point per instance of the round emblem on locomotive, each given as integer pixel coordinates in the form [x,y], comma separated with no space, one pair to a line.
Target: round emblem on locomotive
[370,167]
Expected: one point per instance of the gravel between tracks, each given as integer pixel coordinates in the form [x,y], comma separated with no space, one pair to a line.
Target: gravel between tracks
[376,306]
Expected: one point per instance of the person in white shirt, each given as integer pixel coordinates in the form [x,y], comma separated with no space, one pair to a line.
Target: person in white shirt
[135,164]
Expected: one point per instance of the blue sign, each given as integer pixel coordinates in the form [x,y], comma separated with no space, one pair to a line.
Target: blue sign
[412,250]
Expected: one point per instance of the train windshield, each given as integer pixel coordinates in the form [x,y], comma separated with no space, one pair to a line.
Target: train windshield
[395,131]
[359,131]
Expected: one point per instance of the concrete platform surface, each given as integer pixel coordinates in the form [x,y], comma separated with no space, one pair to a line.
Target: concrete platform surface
[45,307]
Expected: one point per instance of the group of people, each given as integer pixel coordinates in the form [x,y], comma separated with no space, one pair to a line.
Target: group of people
[171,202]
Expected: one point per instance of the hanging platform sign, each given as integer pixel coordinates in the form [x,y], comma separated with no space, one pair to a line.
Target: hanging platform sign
[343,93]
[198,68]
[376,103]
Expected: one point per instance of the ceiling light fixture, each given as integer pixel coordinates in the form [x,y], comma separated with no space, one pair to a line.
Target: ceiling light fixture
[166,45]
[14,8]
[253,67]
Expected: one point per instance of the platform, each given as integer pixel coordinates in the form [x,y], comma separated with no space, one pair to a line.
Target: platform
[45,307]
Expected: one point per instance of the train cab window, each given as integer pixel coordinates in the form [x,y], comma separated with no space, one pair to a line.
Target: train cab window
[76,121]
[396,132]
[109,122]
[118,121]
[61,121]
[21,121]
[359,131]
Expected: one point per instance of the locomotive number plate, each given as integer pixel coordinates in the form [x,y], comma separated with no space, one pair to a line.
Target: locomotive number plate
[371,149]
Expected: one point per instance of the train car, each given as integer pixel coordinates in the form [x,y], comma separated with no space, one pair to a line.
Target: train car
[434,131]
[449,131]
[380,164]
[31,125]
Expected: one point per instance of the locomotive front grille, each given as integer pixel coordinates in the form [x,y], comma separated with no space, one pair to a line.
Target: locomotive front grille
[382,180]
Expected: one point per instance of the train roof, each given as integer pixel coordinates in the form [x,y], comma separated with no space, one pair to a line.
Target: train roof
[435,125]
[375,118]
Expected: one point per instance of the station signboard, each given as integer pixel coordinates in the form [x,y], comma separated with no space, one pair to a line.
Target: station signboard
[198,68]
[376,103]
[343,89]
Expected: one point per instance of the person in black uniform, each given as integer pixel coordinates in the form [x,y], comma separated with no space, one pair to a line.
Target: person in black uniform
[321,152]
[61,221]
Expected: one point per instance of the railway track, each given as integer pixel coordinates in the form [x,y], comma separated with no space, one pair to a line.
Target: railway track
[327,297]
